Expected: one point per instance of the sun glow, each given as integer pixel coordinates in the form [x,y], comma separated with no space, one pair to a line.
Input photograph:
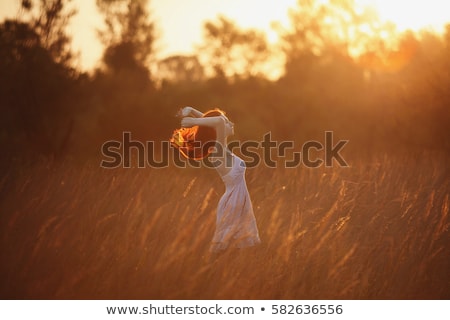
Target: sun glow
[412,15]
[180,23]
[415,16]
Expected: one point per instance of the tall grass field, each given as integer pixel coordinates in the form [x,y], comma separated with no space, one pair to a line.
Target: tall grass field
[378,229]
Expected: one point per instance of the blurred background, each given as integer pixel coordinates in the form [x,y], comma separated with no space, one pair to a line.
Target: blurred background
[77,73]
[74,74]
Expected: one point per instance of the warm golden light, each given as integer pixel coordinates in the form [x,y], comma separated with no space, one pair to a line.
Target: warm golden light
[412,15]
[180,22]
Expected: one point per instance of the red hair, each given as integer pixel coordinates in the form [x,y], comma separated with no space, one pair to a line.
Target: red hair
[196,142]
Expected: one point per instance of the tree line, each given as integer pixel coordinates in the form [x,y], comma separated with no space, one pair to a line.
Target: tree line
[339,73]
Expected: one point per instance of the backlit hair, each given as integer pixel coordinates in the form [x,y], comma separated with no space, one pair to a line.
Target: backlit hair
[196,142]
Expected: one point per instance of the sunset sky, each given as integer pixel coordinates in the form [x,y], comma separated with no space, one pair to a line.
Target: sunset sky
[179,22]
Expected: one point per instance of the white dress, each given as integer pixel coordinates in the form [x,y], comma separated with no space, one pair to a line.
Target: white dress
[236,223]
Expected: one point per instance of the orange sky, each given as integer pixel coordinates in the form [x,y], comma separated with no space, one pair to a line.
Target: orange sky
[180,21]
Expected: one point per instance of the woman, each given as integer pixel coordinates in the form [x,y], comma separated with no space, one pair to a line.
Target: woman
[200,133]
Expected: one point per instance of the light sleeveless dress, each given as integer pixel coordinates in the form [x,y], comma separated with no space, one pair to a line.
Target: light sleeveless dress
[236,223]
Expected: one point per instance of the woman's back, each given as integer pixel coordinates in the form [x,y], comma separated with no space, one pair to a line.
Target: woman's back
[236,223]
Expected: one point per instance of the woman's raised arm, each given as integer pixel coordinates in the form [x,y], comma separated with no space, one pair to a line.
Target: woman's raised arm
[190,112]
[214,122]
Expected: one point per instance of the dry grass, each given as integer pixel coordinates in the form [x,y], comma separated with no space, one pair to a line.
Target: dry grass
[377,230]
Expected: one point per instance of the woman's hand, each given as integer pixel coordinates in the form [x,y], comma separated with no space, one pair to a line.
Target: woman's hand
[184,112]
[188,122]
[189,112]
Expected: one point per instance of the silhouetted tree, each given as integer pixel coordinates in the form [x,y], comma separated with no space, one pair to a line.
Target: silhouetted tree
[34,92]
[231,51]
[123,95]
[180,68]
[129,36]
[50,19]
[341,75]
[318,29]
